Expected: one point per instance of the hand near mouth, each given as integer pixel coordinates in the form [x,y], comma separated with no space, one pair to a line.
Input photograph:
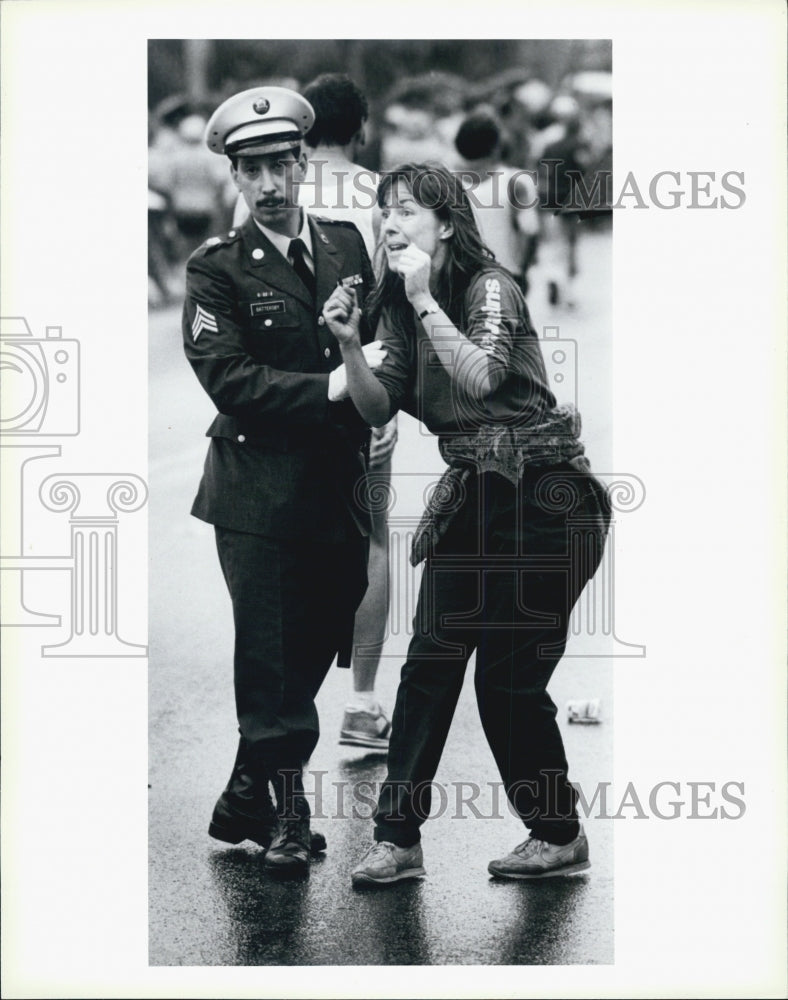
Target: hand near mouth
[413,266]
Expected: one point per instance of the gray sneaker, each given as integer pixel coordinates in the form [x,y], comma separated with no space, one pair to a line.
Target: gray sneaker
[538,859]
[385,862]
[365,729]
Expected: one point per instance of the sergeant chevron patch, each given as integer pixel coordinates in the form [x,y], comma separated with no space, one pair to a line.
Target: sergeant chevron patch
[203,320]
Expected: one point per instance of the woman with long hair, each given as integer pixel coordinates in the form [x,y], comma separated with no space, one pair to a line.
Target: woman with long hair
[512,533]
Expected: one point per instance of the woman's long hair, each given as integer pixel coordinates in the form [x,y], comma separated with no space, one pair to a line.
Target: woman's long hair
[436,188]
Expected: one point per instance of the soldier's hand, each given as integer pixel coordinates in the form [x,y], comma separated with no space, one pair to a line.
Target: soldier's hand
[382,443]
[337,379]
[374,354]
[337,385]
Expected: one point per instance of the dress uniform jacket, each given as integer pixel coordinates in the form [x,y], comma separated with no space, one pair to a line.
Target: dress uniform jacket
[283,461]
[284,464]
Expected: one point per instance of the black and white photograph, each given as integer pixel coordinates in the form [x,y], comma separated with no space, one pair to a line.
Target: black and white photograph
[393,513]
[493,181]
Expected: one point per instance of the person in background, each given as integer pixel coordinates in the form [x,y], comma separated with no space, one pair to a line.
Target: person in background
[420,119]
[511,535]
[335,187]
[335,184]
[285,459]
[158,266]
[504,199]
[532,101]
[162,228]
[194,184]
[563,157]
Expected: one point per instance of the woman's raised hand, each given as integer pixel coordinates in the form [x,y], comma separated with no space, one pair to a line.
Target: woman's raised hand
[413,266]
[341,312]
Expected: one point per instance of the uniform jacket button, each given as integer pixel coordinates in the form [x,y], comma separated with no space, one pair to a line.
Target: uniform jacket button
[321,321]
[241,438]
[327,352]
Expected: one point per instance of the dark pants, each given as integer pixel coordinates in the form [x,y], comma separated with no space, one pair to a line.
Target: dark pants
[503,581]
[293,607]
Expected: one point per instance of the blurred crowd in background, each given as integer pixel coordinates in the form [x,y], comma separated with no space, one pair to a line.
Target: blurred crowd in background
[525,104]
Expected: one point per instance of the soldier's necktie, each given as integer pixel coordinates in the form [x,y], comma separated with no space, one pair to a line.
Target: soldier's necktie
[296,254]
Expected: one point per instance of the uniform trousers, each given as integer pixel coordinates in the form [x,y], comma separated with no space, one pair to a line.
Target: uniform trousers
[293,606]
[502,581]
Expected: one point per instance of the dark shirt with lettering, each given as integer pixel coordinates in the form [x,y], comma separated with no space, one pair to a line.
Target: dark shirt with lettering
[494,317]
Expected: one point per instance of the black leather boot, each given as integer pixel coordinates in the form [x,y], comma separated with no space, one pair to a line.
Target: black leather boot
[245,810]
[289,852]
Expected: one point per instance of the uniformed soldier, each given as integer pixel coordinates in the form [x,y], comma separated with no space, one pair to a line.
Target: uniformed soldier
[283,482]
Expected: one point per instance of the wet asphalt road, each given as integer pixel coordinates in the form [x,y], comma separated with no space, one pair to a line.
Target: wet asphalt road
[212,904]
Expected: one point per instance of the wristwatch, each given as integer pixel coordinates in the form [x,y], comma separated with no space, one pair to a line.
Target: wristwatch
[430,309]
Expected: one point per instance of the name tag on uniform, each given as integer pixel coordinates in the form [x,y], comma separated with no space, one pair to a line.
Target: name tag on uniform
[264,308]
[351,280]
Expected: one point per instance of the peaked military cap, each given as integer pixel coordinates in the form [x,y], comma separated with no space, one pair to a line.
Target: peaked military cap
[259,121]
